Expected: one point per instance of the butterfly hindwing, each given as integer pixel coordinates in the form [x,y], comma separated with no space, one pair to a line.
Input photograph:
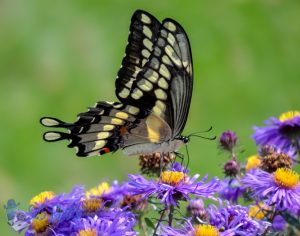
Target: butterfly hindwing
[108,127]
[97,131]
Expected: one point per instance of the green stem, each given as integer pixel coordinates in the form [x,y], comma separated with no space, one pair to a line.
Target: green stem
[162,214]
[171,213]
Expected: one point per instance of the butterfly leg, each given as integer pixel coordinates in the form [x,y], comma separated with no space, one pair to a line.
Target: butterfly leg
[180,156]
[161,164]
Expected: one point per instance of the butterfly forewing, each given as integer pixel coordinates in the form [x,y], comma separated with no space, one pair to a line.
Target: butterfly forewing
[164,86]
[143,33]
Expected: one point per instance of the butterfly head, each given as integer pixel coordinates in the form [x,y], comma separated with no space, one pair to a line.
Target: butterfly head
[184,139]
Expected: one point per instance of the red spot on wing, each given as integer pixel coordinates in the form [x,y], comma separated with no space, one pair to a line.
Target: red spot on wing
[104,150]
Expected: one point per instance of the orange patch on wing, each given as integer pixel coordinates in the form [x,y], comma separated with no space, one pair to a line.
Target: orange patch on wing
[123,130]
[104,150]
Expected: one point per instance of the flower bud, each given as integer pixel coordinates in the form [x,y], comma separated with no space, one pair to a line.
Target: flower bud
[228,140]
[231,168]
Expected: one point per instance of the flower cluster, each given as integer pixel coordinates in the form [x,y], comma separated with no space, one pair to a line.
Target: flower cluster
[173,186]
[258,197]
[79,213]
[283,133]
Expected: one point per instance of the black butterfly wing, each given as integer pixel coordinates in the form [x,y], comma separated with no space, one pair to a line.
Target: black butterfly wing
[98,131]
[164,85]
[182,83]
[143,33]
[156,107]
[107,127]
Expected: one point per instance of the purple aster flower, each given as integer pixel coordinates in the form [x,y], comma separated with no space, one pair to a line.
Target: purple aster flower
[235,218]
[49,202]
[110,194]
[118,225]
[281,133]
[280,188]
[195,230]
[54,213]
[173,186]
[231,189]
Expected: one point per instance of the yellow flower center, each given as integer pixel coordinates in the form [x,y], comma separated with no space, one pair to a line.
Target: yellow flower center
[87,232]
[288,115]
[172,177]
[206,230]
[99,190]
[286,178]
[41,198]
[257,211]
[253,162]
[40,222]
[91,204]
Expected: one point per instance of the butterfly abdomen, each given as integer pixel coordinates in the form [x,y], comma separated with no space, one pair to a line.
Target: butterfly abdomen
[150,148]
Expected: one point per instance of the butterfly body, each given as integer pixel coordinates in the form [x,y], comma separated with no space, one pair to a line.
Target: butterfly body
[149,148]
[154,86]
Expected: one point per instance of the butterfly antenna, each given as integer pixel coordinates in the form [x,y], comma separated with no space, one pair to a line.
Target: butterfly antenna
[196,134]
[207,138]
[201,132]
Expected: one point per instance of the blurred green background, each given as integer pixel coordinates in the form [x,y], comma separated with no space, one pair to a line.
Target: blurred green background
[59,57]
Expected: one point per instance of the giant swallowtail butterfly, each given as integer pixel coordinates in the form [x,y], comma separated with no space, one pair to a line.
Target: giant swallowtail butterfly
[154,86]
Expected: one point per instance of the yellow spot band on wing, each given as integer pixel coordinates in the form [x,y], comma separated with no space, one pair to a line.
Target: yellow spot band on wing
[103,135]
[117,121]
[124,93]
[132,110]
[122,115]
[99,144]
[108,127]
[147,31]
[153,135]
[154,125]
[145,19]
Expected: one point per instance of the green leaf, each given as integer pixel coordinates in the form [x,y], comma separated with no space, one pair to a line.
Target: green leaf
[149,223]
